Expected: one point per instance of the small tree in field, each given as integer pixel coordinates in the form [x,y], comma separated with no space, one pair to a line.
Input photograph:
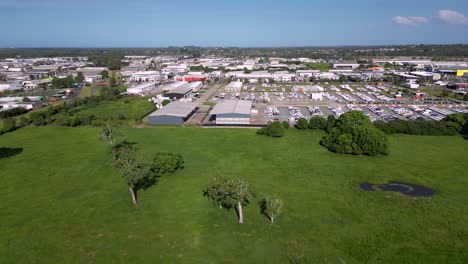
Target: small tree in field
[215,192]
[230,193]
[109,133]
[138,173]
[272,207]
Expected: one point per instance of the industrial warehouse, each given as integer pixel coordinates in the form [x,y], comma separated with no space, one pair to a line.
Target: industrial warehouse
[176,113]
[232,112]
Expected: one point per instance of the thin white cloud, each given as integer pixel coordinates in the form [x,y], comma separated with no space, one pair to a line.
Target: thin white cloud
[452,17]
[409,20]
[45,3]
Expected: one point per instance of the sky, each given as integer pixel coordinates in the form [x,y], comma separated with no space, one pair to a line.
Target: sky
[240,23]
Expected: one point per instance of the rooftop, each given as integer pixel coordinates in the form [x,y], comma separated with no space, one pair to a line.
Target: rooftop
[232,106]
[181,109]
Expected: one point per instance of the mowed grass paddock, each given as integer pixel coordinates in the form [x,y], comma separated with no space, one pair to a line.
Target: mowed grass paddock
[62,202]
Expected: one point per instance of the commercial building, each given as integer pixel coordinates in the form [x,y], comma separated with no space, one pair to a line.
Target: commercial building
[146,76]
[345,65]
[307,88]
[461,73]
[233,87]
[173,86]
[180,92]
[141,89]
[9,86]
[428,76]
[307,73]
[231,112]
[195,86]
[175,113]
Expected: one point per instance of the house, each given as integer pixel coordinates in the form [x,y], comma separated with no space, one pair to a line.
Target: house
[175,113]
[93,78]
[419,95]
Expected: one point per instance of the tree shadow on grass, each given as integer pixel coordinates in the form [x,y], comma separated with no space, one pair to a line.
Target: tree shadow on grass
[9,152]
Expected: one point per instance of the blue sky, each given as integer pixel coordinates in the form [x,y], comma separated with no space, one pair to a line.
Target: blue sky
[245,23]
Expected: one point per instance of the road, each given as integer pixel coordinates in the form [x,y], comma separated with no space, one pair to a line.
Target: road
[207,94]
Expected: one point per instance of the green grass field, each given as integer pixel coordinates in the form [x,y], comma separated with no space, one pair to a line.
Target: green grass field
[132,108]
[322,66]
[62,202]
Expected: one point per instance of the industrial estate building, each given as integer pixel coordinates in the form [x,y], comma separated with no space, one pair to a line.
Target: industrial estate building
[179,92]
[231,112]
[175,113]
[141,88]
[233,87]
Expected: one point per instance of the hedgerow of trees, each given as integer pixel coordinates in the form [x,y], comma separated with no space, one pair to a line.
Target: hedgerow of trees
[450,125]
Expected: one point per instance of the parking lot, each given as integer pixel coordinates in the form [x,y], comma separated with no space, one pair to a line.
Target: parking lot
[377,102]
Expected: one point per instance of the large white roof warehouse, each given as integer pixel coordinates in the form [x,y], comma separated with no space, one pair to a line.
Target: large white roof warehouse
[231,112]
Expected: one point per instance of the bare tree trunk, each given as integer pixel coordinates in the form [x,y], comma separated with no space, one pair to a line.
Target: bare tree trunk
[132,193]
[241,215]
[272,219]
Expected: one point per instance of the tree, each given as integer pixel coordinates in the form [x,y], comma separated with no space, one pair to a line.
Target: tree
[138,173]
[124,159]
[3,77]
[317,122]
[343,78]
[109,133]
[275,129]
[214,191]
[230,193]
[272,207]
[331,120]
[286,124]
[79,78]
[454,122]
[112,81]
[445,93]
[354,133]
[104,74]
[465,97]
[23,121]
[26,99]
[166,162]
[9,124]
[302,123]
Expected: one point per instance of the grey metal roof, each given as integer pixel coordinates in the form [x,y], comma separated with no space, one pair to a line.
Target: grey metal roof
[181,109]
[180,90]
[232,106]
